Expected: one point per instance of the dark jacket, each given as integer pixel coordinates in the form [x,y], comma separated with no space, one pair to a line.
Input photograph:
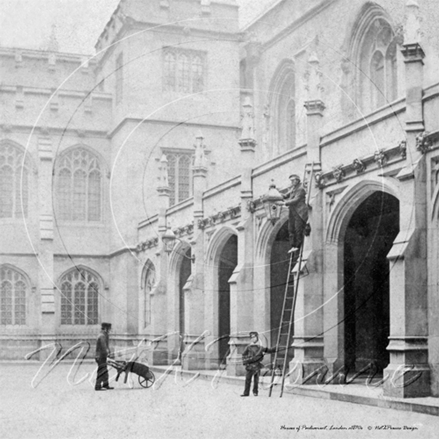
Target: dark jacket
[253,355]
[296,201]
[102,345]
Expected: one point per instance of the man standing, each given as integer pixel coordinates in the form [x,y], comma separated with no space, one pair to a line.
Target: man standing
[298,212]
[252,357]
[102,352]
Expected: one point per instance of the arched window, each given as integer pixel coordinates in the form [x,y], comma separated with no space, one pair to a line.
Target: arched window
[79,297]
[282,104]
[14,181]
[179,176]
[149,282]
[13,291]
[377,72]
[79,187]
[286,115]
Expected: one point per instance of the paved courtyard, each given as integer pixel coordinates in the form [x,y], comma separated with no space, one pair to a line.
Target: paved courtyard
[48,404]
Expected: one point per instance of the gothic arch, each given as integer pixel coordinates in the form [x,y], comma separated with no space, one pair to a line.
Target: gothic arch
[89,149]
[145,269]
[20,271]
[80,190]
[17,175]
[281,101]
[29,160]
[148,284]
[89,300]
[267,235]
[83,267]
[176,295]
[349,201]
[15,287]
[371,67]
[216,244]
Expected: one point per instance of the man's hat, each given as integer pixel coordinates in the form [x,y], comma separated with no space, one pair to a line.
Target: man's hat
[253,334]
[294,176]
[106,325]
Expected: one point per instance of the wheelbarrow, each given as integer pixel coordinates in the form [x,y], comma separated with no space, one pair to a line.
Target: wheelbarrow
[146,377]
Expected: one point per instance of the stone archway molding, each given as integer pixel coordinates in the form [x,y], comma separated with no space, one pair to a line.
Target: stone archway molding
[349,201]
[217,242]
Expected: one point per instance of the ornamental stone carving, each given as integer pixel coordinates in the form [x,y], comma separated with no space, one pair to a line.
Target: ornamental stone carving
[380,158]
[338,173]
[359,165]
[402,149]
[423,142]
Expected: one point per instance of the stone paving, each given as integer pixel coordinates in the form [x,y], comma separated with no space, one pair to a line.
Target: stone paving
[61,403]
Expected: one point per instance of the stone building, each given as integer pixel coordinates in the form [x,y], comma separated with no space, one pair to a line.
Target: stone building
[178,126]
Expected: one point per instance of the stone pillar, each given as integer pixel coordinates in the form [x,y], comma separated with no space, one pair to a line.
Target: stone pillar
[159,299]
[308,339]
[195,294]
[241,281]
[408,373]
[46,269]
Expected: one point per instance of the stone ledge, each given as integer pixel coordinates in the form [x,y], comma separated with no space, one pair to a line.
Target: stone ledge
[427,406]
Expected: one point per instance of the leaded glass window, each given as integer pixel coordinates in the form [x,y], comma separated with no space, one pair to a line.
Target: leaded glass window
[79,187]
[179,176]
[13,291]
[14,181]
[79,298]
[184,70]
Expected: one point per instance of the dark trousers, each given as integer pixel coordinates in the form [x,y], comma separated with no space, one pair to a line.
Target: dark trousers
[296,226]
[247,383]
[102,373]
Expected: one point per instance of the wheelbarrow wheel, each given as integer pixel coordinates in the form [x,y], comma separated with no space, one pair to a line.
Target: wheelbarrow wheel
[148,380]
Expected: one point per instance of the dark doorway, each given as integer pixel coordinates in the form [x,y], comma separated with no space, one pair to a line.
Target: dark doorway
[227,264]
[185,272]
[368,239]
[279,268]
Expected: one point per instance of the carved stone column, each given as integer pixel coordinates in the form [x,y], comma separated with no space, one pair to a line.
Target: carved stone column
[241,282]
[408,373]
[308,340]
[195,290]
[46,269]
[159,321]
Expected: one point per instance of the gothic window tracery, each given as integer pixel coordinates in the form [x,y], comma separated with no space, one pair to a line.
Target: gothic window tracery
[179,176]
[14,180]
[184,70]
[79,297]
[378,66]
[13,291]
[79,187]
[284,108]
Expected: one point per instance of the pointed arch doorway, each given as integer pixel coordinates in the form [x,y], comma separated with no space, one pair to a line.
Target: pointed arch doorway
[226,266]
[368,238]
[184,274]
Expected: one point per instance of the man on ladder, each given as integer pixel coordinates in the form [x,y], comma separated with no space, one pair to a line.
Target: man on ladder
[298,213]
[297,201]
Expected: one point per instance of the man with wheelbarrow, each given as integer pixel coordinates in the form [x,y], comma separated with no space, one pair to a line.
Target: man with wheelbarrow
[102,352]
